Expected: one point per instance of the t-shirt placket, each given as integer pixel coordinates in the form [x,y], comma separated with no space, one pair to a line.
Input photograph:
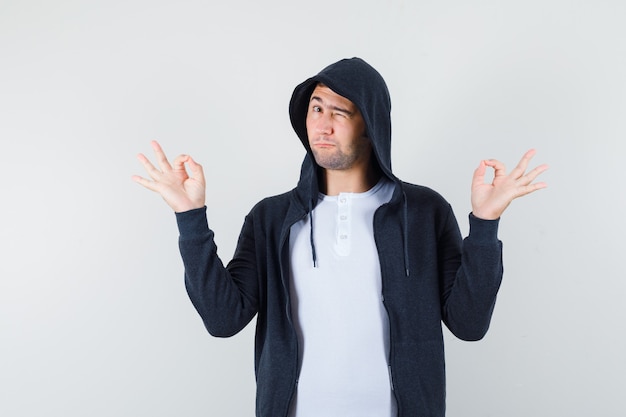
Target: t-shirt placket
[344,223]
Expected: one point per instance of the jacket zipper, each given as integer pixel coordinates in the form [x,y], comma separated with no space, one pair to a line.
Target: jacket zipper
[284,279]
[391,327]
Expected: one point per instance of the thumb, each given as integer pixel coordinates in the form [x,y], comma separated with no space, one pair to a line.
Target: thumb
[479,174]
[196,170]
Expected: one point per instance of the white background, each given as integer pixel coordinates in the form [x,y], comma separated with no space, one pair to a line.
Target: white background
[94,318]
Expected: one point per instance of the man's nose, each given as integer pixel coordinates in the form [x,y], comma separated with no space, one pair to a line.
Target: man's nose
[324,125]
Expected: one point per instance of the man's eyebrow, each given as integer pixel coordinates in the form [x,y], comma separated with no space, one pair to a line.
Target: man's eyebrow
[336,108]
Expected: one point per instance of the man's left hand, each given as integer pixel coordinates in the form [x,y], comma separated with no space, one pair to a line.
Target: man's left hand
[490,200]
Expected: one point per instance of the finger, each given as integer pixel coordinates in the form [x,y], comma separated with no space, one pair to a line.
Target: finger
[150,169]
[498,167]
[532,175]
[531,188]
[142,181]
[519,170]
[160,156]
[179,162]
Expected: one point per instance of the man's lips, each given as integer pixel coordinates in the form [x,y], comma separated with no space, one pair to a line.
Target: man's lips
[323,144]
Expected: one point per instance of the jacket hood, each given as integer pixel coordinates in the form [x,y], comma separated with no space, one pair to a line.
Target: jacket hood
[360,83]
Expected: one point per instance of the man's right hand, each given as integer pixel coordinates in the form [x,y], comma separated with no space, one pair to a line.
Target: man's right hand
[179,190]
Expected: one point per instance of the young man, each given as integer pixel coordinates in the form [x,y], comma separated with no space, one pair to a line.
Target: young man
[352,272]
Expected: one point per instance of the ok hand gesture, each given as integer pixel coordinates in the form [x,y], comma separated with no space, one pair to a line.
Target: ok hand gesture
[490,200]
[179,190]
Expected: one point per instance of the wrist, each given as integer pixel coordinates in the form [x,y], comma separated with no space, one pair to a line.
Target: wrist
[483,215]
[187,207]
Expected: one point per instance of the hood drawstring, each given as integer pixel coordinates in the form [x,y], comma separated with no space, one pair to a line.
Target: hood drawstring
[312,240]
[405,232]
[405,227]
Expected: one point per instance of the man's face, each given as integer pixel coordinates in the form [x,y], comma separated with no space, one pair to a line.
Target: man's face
[336,131]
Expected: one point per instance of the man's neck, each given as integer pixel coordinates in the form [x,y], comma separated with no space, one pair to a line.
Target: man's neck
[333,182]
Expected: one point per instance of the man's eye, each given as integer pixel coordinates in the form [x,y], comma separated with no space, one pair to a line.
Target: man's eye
[317,109]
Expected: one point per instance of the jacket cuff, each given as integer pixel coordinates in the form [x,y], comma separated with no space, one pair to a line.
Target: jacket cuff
[192,223]
[483,230]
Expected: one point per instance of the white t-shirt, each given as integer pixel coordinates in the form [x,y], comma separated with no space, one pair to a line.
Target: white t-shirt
[342,325]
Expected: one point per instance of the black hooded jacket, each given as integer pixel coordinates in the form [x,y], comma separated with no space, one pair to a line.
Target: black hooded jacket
[429,274]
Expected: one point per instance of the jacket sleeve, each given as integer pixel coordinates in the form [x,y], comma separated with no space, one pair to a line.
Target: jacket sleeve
[471,284]
[225,297]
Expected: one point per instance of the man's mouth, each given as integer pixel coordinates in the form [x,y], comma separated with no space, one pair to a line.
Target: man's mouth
[323,144]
